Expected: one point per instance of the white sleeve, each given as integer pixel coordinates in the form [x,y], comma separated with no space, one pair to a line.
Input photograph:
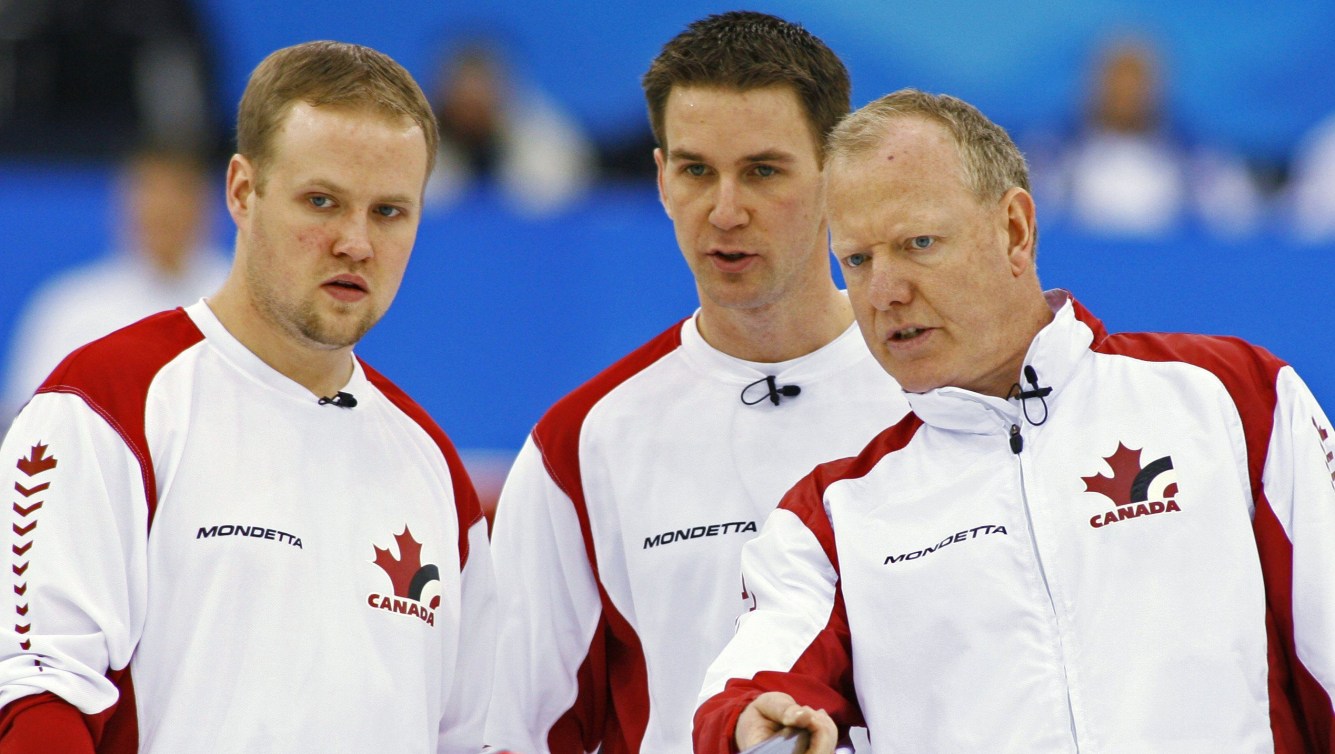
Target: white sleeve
[785,571]
[550,611]
[77,540]
[795,639]
[461,728]
[1299,483]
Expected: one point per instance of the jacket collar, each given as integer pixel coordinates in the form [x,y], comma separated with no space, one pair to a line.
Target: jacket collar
[1054,354]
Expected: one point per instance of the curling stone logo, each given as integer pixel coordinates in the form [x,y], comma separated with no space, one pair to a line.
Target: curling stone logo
[1136,490]
[416,586]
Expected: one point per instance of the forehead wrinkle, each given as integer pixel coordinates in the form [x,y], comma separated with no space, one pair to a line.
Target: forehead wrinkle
[861,209]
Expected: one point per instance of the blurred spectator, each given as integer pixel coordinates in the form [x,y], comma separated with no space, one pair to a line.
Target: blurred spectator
[494,130]
[1128,171]
[162,208]
[91,77]
[1312,190]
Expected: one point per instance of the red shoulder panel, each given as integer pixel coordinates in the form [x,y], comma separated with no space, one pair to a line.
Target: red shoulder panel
[806,498]
[112,375]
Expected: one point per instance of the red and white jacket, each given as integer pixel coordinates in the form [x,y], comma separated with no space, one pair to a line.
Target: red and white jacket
[618,535]
[1150,566]
[205,558]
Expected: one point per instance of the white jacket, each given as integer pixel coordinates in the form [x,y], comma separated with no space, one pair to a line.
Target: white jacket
[205,558]
[618,536]
[1154,570]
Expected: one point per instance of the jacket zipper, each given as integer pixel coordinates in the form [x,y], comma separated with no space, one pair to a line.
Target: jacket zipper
[1017,445]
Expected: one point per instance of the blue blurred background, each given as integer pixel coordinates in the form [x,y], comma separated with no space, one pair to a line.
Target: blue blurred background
[504,310]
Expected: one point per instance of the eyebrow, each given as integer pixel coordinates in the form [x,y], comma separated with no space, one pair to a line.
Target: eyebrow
[772,155]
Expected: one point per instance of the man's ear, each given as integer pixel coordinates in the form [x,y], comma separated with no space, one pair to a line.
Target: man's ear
[1017,205]
[242,181]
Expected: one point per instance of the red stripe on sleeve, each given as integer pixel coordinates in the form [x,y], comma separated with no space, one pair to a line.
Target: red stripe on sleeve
[612,705]
[1301,712]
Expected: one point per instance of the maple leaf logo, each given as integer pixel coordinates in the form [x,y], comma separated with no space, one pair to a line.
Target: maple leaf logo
[1125,465]
[37,461]
[1130,482]
[406,572]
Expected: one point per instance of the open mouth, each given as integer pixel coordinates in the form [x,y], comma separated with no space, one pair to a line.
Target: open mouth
[347,288]
[347,283]
[908,333]
[731,256]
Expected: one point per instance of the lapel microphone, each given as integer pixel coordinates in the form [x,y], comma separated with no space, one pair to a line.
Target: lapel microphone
[773,391]
[340,399]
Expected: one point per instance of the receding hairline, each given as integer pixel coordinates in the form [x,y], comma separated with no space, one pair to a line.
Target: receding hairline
[990,162]
[863,132]
[874,131]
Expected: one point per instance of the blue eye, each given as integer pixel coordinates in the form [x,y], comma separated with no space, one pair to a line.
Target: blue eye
[387,210]
[855,260]
[321,201]
[921,242]
[695,169]
[765,171]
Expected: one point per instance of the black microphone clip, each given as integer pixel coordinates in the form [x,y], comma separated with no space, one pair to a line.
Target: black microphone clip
[772,391]
[340,399]
[1034,391]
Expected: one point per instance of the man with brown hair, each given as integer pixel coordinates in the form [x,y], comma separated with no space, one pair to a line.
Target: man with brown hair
[618,533]
[228,533]
[1076,541]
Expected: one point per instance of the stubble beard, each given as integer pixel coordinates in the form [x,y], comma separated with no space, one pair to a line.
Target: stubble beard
[302,319]
[305,321]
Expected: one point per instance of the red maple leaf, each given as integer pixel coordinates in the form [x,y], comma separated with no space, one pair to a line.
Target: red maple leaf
[36,462]
[401,569]
[1125,465]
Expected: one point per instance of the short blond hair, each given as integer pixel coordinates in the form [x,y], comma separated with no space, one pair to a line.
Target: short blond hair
[327,73]
[992,163]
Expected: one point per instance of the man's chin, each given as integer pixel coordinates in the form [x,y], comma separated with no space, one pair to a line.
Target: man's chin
[912,383]
[333,335]
[739,294]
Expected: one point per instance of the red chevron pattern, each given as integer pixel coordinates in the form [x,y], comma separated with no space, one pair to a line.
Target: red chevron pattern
[1327,439]
[36,463]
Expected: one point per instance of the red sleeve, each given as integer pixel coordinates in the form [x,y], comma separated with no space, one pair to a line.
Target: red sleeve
[43,724]
[716,720]
[822,678]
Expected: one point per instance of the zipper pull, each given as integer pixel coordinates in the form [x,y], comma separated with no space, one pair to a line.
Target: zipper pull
[1017,442]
